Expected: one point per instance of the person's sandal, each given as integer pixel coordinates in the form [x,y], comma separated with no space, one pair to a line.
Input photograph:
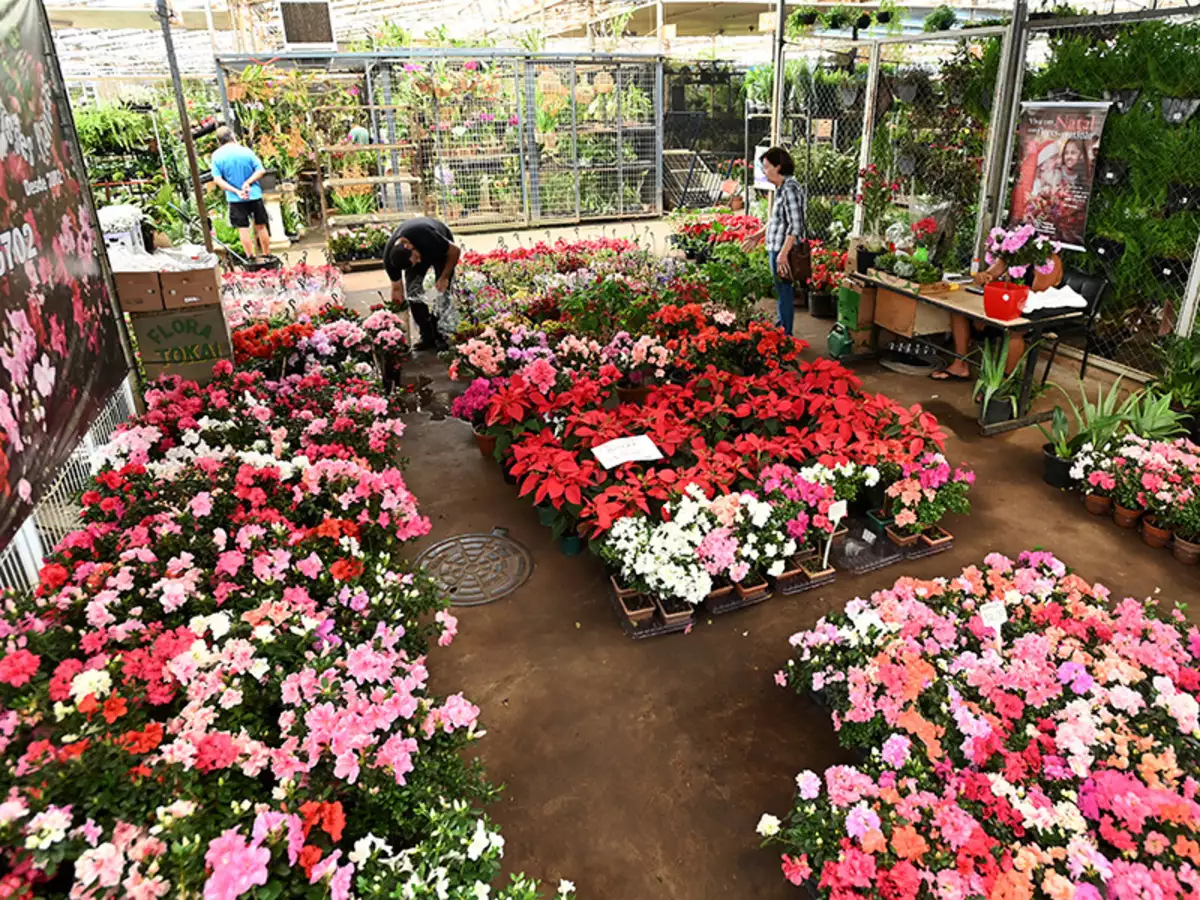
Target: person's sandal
[945,375]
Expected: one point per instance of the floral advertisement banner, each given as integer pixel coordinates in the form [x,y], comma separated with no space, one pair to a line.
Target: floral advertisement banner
[1058,146]
[60,351]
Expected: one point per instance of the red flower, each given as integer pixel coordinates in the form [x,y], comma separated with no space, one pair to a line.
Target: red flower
[18,667]
[346,569]
[114,707]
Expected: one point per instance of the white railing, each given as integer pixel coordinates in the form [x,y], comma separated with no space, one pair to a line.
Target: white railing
[58,512]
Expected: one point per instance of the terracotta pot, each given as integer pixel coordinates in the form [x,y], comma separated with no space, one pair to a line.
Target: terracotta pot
[1125,518]
[1153,534]
[676,612]
[636,607]
[813,571]
[792,578]
[935,536]
[1097,504]
[634,395]
[1045,282]
[719,593]
[1186,552]
[753,590]
[902,540]
[486,444]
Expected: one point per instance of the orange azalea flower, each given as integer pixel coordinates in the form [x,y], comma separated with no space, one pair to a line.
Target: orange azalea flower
[908,843]
[929,734]
[1012,885]
[874,841]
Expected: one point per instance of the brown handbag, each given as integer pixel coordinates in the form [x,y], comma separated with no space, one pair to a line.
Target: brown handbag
[800,262]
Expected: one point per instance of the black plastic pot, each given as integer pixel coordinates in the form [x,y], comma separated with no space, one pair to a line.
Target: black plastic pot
[999,409]
[863,21]
[1169,269]
[883,16]
[806,19]
[1182,198]
[821,306]
[1112,171]
[1056,471]
[866,259]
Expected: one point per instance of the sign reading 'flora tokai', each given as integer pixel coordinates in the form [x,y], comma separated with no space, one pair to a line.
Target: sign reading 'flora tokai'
[179,337]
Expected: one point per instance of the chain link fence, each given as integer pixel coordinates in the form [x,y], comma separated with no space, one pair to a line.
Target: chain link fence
[1144,217]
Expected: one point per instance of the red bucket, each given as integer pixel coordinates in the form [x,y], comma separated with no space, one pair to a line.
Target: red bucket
[1004,300]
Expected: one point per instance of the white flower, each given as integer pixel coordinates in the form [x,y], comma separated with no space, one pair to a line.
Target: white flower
[768,825]
[565,888]
[91,681]
[776,568]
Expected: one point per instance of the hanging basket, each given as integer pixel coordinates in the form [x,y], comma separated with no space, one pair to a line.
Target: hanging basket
[906,164]
[1177,110]
[1112,172]
[603,83]
[1123,101]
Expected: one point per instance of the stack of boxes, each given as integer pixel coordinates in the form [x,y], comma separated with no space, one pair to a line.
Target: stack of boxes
[177,320]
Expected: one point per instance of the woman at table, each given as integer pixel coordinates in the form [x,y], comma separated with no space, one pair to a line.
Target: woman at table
[960,328]
[785,230]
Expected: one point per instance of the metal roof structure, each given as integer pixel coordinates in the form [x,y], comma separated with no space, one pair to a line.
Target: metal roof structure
[102,40]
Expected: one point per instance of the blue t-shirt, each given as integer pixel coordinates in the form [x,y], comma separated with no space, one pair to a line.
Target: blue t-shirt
[234,163]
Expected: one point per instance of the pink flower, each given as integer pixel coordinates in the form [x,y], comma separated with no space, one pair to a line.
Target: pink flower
[449,628]
[310,566]
[739,571]
[781,678]
[808,784]
[796,870]
[895,750]
[103,865]
[201,505]
[236,866]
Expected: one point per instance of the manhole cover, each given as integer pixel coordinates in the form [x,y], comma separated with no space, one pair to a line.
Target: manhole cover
[475,569]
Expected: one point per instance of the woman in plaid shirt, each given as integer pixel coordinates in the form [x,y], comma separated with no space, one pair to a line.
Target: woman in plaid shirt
[784,230]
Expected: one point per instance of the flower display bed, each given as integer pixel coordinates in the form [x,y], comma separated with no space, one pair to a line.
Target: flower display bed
[571,347]
[220,685]
[1020,734]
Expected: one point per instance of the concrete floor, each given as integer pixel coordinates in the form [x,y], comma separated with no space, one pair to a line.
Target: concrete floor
[639,769]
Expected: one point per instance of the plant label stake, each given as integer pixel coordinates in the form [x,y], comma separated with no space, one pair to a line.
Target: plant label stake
[837,512]
[994,615]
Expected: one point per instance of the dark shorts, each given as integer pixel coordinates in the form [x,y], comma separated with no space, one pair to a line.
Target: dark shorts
[241,212]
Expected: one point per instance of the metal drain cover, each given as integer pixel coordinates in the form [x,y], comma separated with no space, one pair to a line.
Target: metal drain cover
[475,569]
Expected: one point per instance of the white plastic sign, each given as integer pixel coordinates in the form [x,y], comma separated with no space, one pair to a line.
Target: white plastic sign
[638,448]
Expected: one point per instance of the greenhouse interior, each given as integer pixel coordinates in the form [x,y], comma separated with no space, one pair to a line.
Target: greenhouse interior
[625,449]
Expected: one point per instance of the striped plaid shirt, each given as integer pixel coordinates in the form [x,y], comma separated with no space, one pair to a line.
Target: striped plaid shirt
[788,216]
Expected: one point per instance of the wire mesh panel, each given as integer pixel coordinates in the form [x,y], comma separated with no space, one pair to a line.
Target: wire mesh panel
[703,125]
[637,137]
[1144,216]
[824,94]
[599,147]
[558,95]
[933,113]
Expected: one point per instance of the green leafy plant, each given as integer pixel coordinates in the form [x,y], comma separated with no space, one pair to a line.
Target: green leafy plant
[111,129]
[1180,378]
[1097,422]
[993,381]
[354,204]
[802,20]
[1059,434]
[1149,414]
[839,17]
[941,19]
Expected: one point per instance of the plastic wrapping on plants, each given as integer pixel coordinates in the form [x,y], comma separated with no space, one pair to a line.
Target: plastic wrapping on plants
[1123,101]
[1177,110]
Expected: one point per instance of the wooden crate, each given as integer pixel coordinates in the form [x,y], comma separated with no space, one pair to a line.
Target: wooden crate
[184,290]
[138,292]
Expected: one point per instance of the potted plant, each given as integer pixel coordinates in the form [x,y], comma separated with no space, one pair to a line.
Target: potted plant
[1184,521]
[636,604]
[1024,255]
[838,18]
[471,406]
[943,18]
[1058,451]
[876,194]
[928,490]
[828,265]
[801,21]
[994,387]
[1092,469]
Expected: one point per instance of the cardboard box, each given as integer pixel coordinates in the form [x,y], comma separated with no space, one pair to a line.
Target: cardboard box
[906,316]
[184,290]
[856,304]
[138,292]
[182,342]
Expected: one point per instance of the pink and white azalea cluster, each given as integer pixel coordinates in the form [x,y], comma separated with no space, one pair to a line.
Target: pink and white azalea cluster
[1021,734]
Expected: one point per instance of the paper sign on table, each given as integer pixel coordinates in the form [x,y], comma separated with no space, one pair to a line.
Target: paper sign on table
[638,448]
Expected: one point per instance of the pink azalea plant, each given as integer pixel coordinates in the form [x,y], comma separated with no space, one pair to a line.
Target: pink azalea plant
[1022,736]
[928,489]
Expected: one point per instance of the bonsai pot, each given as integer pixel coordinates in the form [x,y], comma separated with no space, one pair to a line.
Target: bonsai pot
[901,540]
[673,610]
[1187,552]
[636,607]
[1124,517]
[821,306]
[1097,504]
[753,587]
[634,395]
[997,410]
[1056,471]
[936,538]
[1153,534]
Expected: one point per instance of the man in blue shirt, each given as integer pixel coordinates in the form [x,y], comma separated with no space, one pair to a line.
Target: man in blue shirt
[236,170]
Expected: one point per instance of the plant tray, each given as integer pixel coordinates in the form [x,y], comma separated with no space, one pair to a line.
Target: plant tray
[733,601]
[920,549]
[860,554]
[925,290]
[653,627]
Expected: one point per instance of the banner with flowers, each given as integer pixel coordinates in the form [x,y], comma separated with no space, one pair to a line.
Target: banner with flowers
[60,353]
[1059,143]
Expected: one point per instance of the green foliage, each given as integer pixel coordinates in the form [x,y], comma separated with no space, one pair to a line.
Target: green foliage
[941,19]
[802,20]
[1149,414]
[839,17]
[354,204]
[993,381]
[1097,422]
[111,129]
[1059,434]
[1180,360]
[737,279]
